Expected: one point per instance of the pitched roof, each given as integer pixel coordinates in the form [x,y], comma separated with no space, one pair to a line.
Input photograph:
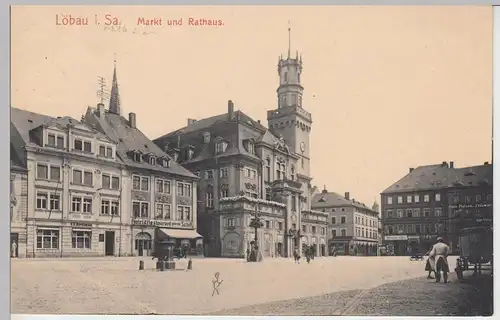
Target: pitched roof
[327,199]
[15,161]
[131,139]
[25,121]
[442,176]
[210,121]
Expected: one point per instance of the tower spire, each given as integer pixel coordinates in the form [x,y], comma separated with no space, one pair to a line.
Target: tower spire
[289,38]
[114,100]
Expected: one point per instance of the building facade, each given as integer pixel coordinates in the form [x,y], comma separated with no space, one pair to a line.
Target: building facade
[352,226]
[18,205]
[159,193]
[74,179]
[246,169]
[417,209]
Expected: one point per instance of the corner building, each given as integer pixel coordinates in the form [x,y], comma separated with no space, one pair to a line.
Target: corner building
[158,192]
[246,168]
[433,201]
[74,178]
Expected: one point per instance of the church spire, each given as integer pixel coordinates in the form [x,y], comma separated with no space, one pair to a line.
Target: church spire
[289,38]
[114,100]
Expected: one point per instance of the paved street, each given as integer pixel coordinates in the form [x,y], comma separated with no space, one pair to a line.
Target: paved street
[114,285]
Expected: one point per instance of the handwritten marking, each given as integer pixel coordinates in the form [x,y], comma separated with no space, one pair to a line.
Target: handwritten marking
[216,284]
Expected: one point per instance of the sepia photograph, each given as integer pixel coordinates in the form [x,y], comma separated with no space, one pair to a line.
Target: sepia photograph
[270,160]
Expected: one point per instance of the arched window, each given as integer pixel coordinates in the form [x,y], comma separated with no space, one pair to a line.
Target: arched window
[292,173]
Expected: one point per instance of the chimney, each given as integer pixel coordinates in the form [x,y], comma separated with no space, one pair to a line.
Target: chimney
[324,190]
[131,120]
[165,147]
[230,109]
[452,164]
[258,121]
[411,169]
[444,164]
[191,121]
[486,163]
[346,195]
[100,110]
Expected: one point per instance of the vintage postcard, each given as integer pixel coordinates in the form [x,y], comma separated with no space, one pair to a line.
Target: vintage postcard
[251,160]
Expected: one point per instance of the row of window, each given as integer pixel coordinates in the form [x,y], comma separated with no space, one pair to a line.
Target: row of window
[141,183]
[280,171]
[468,199]
[49,239]
[209,197]
[79,177]
[413,198]
[306,228]
[343,220]
[413,213]
[366,221]
[151,159]
[79,204]
[366,233]
[57,141]
[140,209]
[428,228]
[343,233]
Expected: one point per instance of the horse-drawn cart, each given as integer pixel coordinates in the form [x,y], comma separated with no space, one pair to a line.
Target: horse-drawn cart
[476,249]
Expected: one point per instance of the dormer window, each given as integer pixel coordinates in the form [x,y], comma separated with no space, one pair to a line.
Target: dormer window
[206,137]
[152,160]
[165,162]
[55,141]
[137,157]
[81,145]
[105,151]
[190,153]
[220,147]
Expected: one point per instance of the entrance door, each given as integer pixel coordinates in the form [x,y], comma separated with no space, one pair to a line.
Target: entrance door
[143,244]
[280,249]
[323,249]
[14,238]
[109,243]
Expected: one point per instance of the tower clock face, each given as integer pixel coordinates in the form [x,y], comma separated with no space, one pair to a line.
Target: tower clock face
[302,146]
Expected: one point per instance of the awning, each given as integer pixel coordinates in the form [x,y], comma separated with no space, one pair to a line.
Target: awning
[180,233]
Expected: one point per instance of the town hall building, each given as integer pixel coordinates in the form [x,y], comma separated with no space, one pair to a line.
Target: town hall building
[246,169]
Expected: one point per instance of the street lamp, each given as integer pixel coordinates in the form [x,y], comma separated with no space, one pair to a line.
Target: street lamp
[256,223]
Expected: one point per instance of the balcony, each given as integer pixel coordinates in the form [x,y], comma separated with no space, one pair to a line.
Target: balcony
[286,184]
[242,203]
[316,216]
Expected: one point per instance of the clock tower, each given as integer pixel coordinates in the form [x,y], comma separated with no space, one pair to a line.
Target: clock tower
[290,120]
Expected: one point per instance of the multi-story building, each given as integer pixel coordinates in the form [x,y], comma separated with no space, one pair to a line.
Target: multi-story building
[18,203]
[352,225]
[74,207]
[157,190]
[416,209]
[248,169]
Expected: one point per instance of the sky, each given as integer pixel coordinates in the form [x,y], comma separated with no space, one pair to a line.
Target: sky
[389,88]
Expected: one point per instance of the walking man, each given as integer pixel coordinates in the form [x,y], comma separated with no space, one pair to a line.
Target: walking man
[439,256]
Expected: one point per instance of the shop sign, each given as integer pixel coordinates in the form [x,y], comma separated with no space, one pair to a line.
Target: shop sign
[396,238]
[81,224]
[163,223]
[413,238]
[471,206]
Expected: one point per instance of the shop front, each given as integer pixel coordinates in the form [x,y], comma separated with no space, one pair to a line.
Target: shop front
[188,241]
[399,243]
[146,232]
[414,246]
[338,246]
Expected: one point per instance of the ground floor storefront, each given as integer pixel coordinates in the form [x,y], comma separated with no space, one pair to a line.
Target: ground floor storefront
[18,240]
[47,238]
[350,246]
[406,245]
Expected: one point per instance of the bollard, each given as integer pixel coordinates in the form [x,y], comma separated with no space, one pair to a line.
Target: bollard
[162,265]
[190,264]
[141,265]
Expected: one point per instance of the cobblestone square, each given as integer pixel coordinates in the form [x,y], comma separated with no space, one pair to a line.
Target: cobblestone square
[116,286]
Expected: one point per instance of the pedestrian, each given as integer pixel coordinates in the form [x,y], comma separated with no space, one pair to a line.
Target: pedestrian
[428,266]
[439,255]
[13,249]
[248,254]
